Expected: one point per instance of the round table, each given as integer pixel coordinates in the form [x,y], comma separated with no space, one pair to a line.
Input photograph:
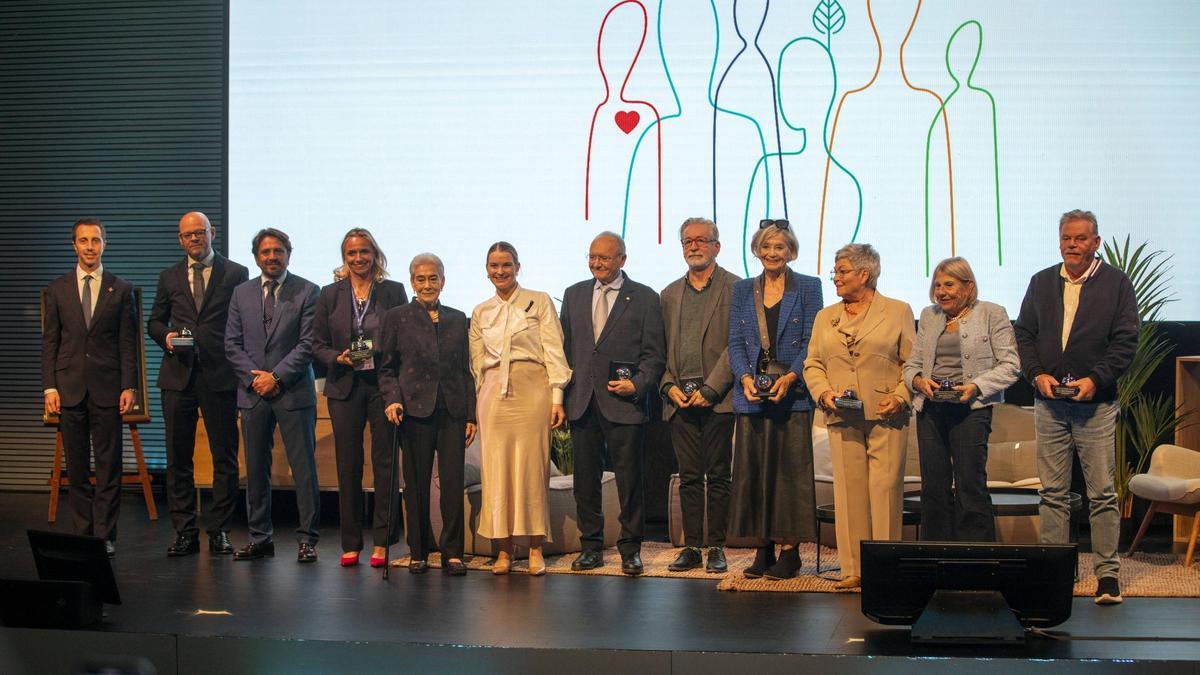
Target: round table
[1010,501]
[825,514]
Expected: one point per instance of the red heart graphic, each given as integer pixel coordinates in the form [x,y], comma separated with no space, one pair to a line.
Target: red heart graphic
[627,121]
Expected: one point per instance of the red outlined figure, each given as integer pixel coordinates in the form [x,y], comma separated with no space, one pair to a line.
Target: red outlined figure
[872,81]
[623,117]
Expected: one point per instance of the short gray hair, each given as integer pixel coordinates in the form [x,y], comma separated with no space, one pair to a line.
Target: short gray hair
[700,221]
[862,257]
[765,233]
[426,258]
[1079,214]
[614,235]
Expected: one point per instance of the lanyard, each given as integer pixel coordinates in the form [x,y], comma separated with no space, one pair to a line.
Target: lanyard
[361,309]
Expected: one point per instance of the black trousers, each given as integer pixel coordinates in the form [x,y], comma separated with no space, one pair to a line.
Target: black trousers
[181,411]
[595,439]
[89,429]
[703,442]
[423,437]
[363,406]
[953,446]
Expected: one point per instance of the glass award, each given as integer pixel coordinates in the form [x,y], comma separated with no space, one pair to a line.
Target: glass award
[360,350]
[184,340]
[621,370]
[1065,388]
[691,385]
[849,400]
[945,392]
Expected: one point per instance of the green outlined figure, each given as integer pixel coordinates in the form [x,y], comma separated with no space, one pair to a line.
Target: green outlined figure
[995,134]
[828,18]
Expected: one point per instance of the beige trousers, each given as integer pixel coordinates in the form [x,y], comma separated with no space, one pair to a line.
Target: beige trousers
[868,485]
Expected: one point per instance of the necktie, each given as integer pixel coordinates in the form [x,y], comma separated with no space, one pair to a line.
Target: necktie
[87,300]
[198,284]
[269,302]
[600,313]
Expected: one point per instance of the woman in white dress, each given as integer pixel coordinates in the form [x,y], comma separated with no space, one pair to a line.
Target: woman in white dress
[520,370]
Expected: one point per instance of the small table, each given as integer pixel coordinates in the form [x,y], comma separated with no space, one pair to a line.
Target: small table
[1010,501]
[825,514]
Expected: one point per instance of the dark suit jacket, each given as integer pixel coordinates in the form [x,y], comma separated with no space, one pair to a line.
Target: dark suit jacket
[174,308]
[714,340]
[633,332]
[284,347]
[419,359]
[334,324]
[100,360]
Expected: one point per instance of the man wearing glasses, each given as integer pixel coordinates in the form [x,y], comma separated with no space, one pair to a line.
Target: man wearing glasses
[613,338]
[191,306]
[696,392]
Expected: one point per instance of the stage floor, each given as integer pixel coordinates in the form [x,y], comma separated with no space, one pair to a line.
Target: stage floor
[275,615]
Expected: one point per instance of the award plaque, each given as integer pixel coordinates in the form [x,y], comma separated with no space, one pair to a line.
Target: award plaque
[763,383]
[848,401]
[621,370]
[361,353]
[691,385]
[184,340]
[1065,388]
[946,393]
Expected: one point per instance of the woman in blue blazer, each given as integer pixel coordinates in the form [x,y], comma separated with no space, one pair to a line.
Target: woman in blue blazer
[969,345]
[770,322]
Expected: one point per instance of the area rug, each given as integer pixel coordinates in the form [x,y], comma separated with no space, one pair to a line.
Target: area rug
[1151,575]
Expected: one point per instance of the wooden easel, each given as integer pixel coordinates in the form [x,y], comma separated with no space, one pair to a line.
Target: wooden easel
[142,477]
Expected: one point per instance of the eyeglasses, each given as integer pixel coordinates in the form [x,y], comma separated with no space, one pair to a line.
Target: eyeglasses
[835,273]
[194,234]
[781,224]
[702,241]
[600,258]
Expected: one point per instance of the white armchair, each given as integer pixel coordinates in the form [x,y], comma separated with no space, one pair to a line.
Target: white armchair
[1172,485]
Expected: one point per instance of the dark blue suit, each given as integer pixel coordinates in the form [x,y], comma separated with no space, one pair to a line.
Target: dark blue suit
[283,347]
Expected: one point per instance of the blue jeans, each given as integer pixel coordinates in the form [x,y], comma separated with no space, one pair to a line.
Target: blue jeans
[1065,428]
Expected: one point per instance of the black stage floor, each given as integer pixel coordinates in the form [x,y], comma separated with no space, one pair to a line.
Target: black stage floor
[207,613]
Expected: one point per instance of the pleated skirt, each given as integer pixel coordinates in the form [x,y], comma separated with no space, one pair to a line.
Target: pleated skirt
[773,493]
[514,437]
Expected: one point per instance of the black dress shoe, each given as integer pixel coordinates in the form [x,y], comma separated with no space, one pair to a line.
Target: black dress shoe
[764,558]
[254,551]
[588,560]
[631,564]
[455,568]
[716,561]
[306,553]
[110,548]
[218,542]
[184,544]
[787,565]
[688,559]
[418,567]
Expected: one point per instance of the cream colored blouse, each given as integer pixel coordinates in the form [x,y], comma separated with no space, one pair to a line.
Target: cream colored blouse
[523,328]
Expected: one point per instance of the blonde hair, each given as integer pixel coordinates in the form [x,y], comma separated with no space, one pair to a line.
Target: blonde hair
[766,233]
[378,269]
[959,269]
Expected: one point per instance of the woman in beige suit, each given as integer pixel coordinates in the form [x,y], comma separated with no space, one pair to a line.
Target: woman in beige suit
[854,370]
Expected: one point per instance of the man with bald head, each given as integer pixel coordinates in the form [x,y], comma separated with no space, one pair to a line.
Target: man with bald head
[193,294]
[613,337]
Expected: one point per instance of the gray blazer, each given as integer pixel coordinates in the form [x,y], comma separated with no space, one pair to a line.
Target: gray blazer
[284,347]
[989,351]
[714,341]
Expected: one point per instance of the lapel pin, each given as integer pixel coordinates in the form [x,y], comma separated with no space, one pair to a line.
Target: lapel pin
[627,298]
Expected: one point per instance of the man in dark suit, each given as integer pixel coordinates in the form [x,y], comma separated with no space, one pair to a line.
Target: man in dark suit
[696,391]
[193,294]
[268,341]
[427,385]
[89,374]
[613,337]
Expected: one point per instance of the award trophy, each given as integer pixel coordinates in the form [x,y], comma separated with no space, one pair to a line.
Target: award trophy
[764,379]
[1065,388]
[621,370]
[848,401]
[691,385]
[945,392]
[360,351]
[184,340]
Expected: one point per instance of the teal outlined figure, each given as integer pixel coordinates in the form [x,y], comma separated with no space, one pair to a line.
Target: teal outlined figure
[757,127]
[828,18]
[995,136]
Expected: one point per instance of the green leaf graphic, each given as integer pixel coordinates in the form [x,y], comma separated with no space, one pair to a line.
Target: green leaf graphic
[828,17]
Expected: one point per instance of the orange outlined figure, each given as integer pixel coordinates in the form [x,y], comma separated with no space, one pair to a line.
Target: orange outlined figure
[625,120]
[969,108]
[902,220]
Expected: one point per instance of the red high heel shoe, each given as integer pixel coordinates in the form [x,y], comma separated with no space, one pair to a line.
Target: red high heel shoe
[350,559]
[378,561]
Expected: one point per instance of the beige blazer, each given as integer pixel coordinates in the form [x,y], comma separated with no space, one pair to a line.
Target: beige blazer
[714,342]
[872,366]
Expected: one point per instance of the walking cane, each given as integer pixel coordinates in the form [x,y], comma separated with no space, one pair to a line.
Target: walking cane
[392,505]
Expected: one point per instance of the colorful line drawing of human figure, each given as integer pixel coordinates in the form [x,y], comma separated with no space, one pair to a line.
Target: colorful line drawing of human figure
[624,121]
[805,107]
[763,95]
[892,212]
[685,151]
[970,183]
